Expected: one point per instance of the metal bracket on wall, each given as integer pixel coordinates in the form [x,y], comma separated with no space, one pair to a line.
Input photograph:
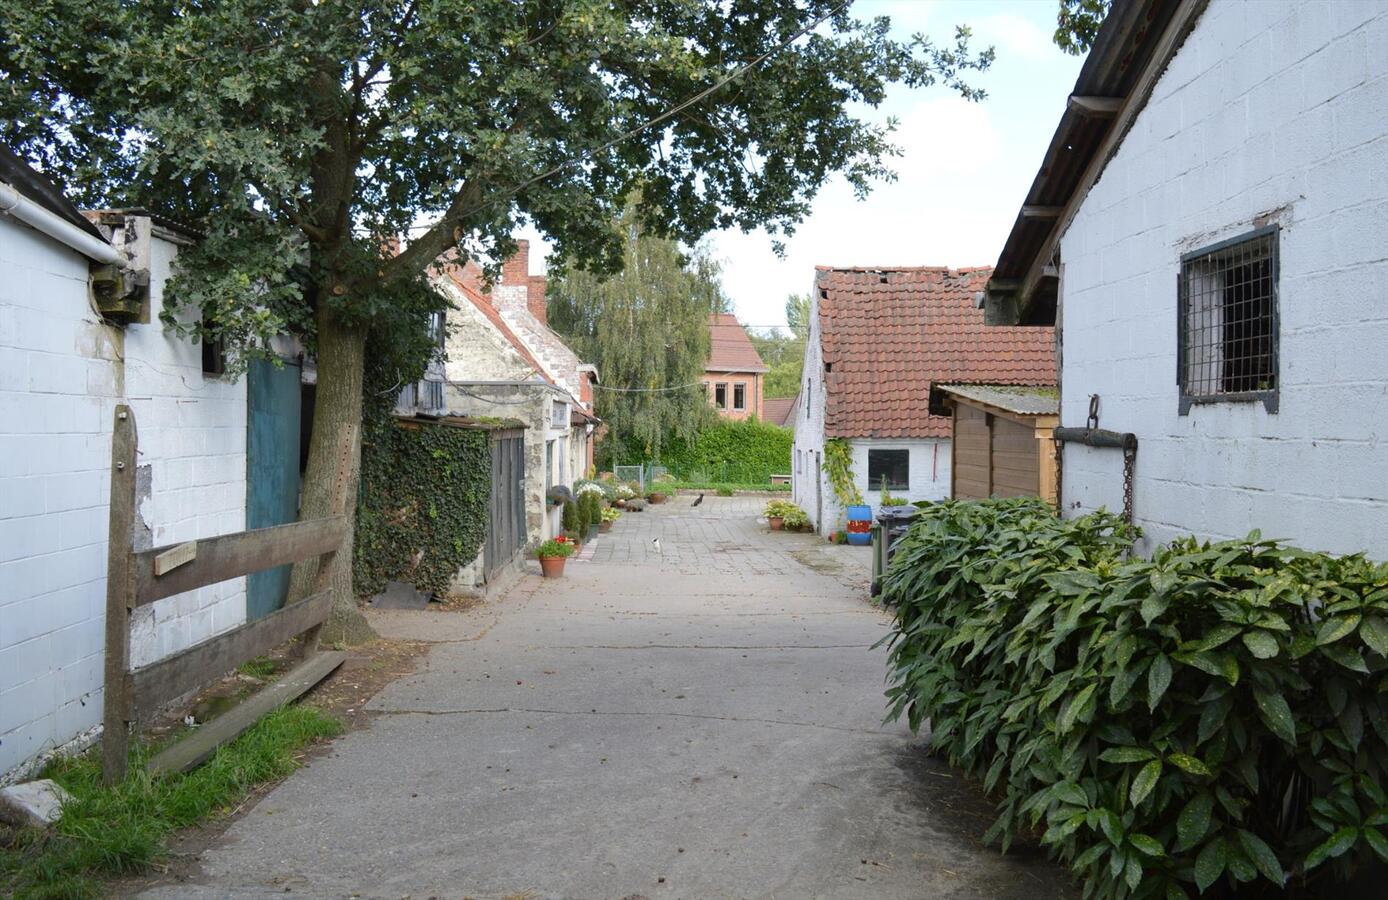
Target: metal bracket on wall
[1102,437]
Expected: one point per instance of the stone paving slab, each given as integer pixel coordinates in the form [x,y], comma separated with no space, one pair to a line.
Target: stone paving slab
[681,729]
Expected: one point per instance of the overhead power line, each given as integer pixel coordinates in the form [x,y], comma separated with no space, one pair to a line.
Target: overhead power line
[649,123]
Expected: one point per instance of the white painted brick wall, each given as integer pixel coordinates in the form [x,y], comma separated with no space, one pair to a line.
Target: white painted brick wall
[815,497]
[61,375]
[1268,106]
[928,469]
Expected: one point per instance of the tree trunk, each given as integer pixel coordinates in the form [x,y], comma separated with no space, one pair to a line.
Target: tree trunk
[334,464]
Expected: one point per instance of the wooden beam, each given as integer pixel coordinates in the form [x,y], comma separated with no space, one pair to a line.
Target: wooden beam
[1003,285]
[120,593]
[156,684]
[199,746]
[1181,22]
[1096,107]
[231,555]
[1042,212]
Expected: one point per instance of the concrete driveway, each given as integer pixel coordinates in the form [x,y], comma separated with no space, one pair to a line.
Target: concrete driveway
[702,720]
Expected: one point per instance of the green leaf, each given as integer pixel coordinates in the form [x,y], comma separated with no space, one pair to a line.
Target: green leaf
[1147,844]
[1153,605]
[1276,714]
[1374,633]
[1133,875]
[1144,782]
[1194,821]
[1072,711]
[1378,842]
[1187,763]
[1346,656]
[1209,865]
[1126,755]
[1337,627]
[1158,680]
[1262,856]
[1260,643]
[1335,845]
[1218,637]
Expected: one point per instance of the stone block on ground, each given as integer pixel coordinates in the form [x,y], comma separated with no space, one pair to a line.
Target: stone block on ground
[37,803]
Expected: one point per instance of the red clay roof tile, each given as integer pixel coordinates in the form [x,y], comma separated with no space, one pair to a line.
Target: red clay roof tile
[888,334]
[730,350]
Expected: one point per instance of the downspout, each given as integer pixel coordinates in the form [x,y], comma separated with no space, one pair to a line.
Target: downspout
[13,203]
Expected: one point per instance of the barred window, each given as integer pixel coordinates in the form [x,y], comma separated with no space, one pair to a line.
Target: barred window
[1228,321]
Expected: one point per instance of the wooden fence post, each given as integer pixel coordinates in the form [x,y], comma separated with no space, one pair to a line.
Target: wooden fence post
[120,586]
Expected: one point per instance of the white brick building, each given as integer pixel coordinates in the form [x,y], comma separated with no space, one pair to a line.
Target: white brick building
[1210,231]
[63,369]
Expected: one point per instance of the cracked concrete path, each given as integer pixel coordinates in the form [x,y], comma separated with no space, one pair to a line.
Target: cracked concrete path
[705,721]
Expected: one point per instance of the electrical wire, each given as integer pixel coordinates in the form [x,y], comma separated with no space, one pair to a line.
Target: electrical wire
[648,124]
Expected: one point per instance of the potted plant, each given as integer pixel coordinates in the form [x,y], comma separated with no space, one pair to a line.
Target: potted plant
[552,555]
[887,498]
[778,510]
[609,515]
[657,493]
[795,519]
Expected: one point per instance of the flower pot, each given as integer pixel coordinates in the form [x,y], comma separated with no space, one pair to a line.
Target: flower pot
[604,527]
[776,522]
[656,498]
[552,566]
[619,503]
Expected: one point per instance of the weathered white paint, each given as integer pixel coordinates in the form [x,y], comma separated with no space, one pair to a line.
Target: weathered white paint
[809,487]
[1270,111]
[928,470]
[62,371]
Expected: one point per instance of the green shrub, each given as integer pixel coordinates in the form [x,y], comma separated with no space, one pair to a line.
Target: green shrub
[570,519]
[780,509]
[1209,717]
[591,504]
[727,451]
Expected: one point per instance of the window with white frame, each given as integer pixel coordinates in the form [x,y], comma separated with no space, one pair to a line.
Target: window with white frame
[559,414]
[720,395]
[1228,321]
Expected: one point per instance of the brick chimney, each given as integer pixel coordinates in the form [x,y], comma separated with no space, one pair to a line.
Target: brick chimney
[539,307]
[516,270]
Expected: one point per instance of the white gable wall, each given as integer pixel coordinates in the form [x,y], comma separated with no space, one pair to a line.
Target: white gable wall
[61,375]
[1270,112]
[815,497]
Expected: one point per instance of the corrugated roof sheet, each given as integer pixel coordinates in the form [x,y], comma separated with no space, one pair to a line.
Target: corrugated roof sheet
[888,335]
[1026,401]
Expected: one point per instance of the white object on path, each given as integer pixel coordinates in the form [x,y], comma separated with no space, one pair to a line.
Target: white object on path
[36,803]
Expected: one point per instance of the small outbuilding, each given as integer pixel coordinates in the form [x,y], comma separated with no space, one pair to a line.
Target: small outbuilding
[1000,439]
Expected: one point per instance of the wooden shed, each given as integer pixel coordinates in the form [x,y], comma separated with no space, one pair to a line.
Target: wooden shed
[1001,443]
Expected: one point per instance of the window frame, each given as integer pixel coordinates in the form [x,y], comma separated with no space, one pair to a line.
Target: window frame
[720,386]
[875,484]
[739,386]
[1268,397]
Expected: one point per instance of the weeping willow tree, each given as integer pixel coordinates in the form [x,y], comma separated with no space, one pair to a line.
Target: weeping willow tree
[646,329]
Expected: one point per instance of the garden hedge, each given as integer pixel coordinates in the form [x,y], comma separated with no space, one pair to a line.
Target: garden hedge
[1211,720]
[425,490]
[746,451]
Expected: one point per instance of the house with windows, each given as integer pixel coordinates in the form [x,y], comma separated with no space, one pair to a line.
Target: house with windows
[735,371]
[1207,233]
[880,339]
[501,360]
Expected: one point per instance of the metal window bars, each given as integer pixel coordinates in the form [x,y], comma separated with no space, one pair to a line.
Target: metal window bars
[1228,321]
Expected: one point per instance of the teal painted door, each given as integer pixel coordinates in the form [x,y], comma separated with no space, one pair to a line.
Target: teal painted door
[272,469]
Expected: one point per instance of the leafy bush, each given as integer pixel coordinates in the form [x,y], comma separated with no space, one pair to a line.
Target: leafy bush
[609,514]
[554,548]
[728,451]
[590,504]
[571,519]
[727,489]
[887,499]
[780,509]
[723,491]
[1209,717]
[796,519]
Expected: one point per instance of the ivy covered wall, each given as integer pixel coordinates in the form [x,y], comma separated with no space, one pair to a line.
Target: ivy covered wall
[425,493]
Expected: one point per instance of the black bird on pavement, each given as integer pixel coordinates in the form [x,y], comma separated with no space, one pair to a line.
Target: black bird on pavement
[699,500]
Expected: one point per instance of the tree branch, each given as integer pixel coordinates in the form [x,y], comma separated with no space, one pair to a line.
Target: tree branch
[444,234]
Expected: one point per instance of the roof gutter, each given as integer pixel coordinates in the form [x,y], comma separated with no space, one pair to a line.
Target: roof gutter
[13,203]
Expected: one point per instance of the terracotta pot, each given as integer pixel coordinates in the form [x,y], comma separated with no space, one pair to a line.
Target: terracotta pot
[604,527]
[776,522]
[553,566]
[619,503]
[656,498]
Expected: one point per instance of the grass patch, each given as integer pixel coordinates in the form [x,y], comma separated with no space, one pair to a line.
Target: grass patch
[119,830]
[261,667]
[719,487]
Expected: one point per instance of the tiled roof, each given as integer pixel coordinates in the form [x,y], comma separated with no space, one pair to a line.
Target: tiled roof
[887,335]
[730,350]
[777,410]
[486,309]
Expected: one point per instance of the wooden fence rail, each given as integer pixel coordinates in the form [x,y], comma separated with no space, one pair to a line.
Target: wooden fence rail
[136,578]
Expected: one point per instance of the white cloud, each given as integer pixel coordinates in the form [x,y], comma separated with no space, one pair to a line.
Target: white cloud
[1015,35]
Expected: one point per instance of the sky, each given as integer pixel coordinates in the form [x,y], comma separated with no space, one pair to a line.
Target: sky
[964,170]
